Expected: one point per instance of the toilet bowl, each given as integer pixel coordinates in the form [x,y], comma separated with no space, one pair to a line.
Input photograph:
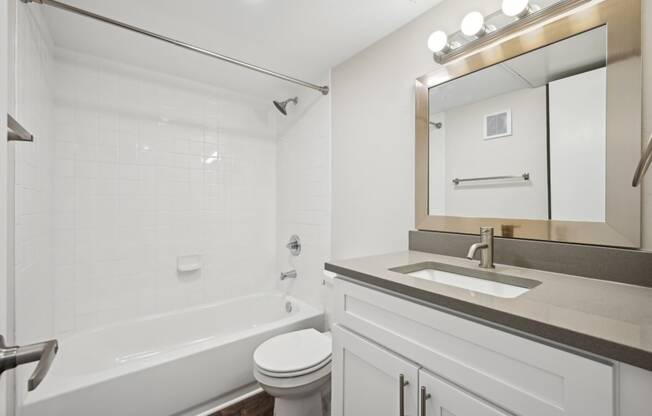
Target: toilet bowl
[295,368]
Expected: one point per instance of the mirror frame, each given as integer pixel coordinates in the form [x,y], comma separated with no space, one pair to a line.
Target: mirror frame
[622,227]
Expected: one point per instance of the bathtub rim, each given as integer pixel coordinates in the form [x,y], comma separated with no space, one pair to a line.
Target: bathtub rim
[72,384]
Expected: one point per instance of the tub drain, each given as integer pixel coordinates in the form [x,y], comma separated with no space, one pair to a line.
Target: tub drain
[288,307]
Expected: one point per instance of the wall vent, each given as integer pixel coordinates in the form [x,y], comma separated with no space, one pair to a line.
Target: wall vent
[498,124]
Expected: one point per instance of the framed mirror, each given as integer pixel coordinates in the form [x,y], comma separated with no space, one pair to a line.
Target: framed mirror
[539,134]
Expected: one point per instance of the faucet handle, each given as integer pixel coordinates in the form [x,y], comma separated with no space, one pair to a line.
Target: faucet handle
[486,230]
[486,244]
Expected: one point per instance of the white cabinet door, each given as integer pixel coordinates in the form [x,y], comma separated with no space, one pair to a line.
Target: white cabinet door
[439,398]
[366,378]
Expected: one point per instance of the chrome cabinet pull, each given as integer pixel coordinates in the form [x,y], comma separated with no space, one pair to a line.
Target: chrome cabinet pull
[424,396]
[401,394]
[43,352]
[643,165]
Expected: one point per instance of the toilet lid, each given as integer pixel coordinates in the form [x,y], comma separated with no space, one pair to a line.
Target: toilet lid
[293,352]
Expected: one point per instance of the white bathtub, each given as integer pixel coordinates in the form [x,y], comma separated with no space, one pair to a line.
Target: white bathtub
[171,364]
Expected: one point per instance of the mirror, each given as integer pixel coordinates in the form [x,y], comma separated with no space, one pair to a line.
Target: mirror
[525,138]
[537,131]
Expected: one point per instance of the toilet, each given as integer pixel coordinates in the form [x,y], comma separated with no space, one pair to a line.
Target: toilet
[295,368]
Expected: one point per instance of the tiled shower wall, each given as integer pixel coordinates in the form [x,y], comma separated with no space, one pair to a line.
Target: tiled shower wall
[149,167]
[31,105]
[304,199]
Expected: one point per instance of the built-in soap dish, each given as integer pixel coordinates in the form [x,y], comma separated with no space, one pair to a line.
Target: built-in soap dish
[191,263]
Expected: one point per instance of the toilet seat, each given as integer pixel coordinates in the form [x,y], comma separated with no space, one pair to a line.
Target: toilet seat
[293,354]
[295,369]
[297,373]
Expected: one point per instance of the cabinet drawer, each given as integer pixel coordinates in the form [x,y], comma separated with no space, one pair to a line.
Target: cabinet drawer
[517,374]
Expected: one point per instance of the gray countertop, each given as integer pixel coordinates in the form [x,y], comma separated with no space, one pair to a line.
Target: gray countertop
[610,319]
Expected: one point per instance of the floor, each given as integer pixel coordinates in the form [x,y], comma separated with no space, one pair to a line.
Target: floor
[261,404]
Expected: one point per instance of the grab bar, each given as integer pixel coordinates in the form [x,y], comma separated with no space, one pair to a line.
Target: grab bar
[17,133]
[643,165]
[525,177]
[42,352]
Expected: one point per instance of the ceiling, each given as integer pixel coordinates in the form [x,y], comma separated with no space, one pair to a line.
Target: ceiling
[302,38]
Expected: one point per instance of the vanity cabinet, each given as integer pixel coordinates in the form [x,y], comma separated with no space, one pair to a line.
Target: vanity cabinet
[372,380]
[467,367]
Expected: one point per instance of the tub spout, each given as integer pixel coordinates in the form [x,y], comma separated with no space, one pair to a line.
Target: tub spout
[292,274]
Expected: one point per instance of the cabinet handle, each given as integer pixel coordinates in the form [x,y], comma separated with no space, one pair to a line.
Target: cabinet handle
[401,394]
[424,396]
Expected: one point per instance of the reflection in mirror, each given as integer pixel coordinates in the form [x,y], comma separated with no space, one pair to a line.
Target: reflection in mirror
[523,139]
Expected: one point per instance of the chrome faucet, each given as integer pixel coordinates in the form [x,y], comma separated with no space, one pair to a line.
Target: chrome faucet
[486,244]
[292,274]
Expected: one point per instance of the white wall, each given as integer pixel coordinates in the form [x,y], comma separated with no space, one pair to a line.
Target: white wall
[149,167]
[4,245]
[437,165]
[578,147]
[303,199]
[469,155]
[373,132]
[646,15]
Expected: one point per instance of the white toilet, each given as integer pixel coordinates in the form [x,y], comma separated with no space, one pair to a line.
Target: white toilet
[295,368]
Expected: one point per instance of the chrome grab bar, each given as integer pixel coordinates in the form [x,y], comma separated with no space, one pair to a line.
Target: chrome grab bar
[43,352]
[525,177]
[17,133]
[401,394]
[643,165]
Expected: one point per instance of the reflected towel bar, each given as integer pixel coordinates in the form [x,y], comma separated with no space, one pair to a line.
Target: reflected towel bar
[525,177]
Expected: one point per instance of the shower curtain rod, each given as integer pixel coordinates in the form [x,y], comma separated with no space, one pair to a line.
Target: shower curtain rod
[63,6]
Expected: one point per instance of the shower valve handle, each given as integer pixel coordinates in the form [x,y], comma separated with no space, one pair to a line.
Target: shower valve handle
[294,245]
[43,352]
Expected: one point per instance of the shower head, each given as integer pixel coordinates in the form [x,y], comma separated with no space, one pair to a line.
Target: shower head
[281,105]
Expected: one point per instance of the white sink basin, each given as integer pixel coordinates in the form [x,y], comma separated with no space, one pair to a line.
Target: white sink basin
[486,281]
[488,287]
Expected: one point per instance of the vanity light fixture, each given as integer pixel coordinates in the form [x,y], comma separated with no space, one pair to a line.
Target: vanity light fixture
[438,42]
[518,8]
[473,25]
[477,28]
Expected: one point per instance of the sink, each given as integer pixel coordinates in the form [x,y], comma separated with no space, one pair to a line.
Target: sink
[475,280]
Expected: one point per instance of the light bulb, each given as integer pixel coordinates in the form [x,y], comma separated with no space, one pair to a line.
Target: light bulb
[438,41]
[516,8]
[473,24]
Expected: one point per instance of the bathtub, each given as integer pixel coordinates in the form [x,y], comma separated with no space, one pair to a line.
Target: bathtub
[177,363]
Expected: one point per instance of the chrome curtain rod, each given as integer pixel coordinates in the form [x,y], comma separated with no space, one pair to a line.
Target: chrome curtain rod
[63,6]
